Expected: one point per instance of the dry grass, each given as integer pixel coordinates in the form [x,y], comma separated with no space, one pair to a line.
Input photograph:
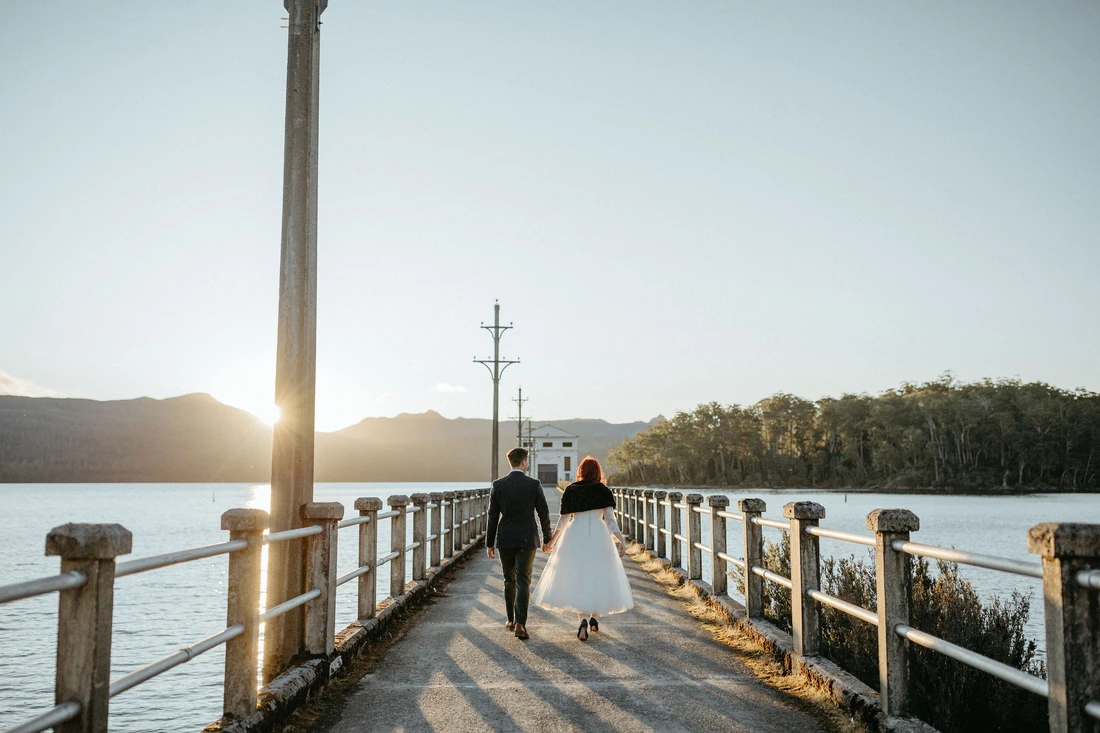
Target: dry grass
[811,699]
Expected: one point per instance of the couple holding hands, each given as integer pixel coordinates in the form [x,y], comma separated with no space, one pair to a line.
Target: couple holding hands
[584,573]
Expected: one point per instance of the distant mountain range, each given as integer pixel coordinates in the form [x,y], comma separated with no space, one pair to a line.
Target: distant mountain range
[195,438]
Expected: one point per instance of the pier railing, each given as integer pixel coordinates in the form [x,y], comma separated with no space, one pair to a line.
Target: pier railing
[669,525]
[442,524]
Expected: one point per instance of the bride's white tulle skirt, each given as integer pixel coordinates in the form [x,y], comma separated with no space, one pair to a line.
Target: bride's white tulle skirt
[584,573]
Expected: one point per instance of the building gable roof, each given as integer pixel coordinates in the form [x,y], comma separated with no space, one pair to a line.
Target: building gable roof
[549,431]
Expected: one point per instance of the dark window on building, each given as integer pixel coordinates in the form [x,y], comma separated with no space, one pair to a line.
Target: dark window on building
[566,445]
[548,445]
[568,465]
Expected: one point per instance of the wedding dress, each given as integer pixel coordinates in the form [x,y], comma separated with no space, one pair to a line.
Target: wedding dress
[585,573]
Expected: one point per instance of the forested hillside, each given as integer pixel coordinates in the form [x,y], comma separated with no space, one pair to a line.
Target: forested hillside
[943,434]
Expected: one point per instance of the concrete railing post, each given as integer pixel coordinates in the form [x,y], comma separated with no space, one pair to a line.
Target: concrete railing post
[647,519]
[675,557]
[1072,621]
[449,523]
[321,574]
[805,576]
[436,527]
[368,555]
[631,526]
[659,497]
[420,534]
[754,555]
[84,619]
[892,587]
[243,607]
[463,518]
[397,503]
[719,582]
[480,526]
[694,533]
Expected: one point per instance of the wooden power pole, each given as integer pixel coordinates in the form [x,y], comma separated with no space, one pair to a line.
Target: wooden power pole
[296,363]
[496,370]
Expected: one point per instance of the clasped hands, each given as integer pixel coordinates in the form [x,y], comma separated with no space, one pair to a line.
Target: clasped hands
[492,551]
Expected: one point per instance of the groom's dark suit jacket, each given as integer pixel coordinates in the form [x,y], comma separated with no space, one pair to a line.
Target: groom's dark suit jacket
[512,506]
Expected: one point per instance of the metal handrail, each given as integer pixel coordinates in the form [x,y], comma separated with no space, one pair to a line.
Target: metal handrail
[834,534]
[666,502]
[432,505]
[785,526]
[682,506]
[142,564]
[292,534]
[732,515]
[1092,707]
[276,611]
[431,538]
[185,654]
[701,509]
[388,514]
[680,537]
[1017,677]
[352,521]
[392,556]
[731,559]
[1089,579]
[445,530]
[769,575]
[42,586]
[841,605]
[361,570]
[652,526]
[704,548]
[413,509]
[412,547]
[1004,564]
[666,531]
[59,714]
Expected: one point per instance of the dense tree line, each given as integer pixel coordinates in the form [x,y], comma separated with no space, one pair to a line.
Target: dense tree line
[942,434]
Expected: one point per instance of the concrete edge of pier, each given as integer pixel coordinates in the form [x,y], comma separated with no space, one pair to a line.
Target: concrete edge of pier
[846,691]
[283,696]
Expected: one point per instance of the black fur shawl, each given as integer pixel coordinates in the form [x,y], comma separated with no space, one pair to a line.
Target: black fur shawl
[586,497]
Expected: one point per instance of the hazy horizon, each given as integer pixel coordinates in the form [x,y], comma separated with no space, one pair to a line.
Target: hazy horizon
[674,204]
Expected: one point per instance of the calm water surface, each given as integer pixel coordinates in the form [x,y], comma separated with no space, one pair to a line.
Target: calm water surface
[158,612]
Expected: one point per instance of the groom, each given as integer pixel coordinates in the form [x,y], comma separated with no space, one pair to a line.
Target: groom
[513,503]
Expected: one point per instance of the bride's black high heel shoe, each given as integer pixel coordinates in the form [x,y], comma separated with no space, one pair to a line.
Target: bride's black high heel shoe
[582,632]
[593,625]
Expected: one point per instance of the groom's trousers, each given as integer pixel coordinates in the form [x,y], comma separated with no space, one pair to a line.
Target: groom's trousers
[517,564]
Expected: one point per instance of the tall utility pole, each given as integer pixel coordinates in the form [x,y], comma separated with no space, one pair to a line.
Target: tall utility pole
[496,371]
[296,363]
[519,420]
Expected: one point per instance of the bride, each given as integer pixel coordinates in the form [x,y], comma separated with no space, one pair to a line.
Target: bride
[585,571]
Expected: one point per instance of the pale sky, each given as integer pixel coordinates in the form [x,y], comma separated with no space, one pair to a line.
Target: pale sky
[674,202]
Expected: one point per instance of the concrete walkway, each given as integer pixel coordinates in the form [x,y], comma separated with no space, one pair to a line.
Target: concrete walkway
[651,669]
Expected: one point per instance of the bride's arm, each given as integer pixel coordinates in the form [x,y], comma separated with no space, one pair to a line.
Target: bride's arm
[609,518]
[562,521]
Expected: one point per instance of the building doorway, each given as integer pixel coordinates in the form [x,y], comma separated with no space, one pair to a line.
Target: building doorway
[548,474]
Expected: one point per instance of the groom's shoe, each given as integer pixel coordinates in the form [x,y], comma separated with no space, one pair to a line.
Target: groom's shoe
[510,626]
[521,632]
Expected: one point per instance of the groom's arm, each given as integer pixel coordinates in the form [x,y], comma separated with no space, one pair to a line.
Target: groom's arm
[494,519]
[544,515]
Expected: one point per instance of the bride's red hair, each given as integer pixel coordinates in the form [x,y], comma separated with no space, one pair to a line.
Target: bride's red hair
[590,471]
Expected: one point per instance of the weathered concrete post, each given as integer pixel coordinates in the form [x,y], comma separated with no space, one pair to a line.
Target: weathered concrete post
[631,525]
[694,534]
[437,526]
[84,619]
[479,503]
[449,523]
[397,544]
[647,518]
[619,509]
[659,498]
[243,607]
[639,517]
[892,587]
[805,576]
[754,556]
[674,554]
[463,518]
[320,633]
[1072,621]
[368,555]
[718,579]
[420,534]
[292,445]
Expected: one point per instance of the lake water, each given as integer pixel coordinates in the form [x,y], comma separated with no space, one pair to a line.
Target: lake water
[158,612]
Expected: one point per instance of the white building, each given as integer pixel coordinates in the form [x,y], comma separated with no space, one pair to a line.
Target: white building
[553,455]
